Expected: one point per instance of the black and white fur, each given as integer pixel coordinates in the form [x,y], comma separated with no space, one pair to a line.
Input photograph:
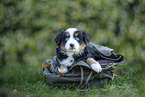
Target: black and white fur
[72,46]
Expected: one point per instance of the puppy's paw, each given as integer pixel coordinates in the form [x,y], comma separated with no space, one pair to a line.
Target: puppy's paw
[96,67]
[63,70]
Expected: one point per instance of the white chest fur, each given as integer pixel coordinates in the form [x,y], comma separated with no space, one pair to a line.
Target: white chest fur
[68,61]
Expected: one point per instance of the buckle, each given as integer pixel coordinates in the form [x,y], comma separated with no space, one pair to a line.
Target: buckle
[60,74]
[82,87]
[46,65]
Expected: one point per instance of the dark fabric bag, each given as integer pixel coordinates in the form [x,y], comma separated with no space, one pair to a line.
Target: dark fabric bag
[80,73]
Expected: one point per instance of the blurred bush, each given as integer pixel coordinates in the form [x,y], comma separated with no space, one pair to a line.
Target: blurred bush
[28,27]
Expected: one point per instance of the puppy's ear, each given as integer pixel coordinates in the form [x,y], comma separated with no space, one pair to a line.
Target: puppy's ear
[58,38]
[86,37]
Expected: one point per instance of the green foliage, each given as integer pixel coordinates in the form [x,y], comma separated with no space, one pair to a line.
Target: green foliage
[28,29]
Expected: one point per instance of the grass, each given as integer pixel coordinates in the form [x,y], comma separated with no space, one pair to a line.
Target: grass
[27,81]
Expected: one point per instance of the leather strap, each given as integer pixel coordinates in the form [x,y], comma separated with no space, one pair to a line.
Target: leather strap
[82,77]
[87,80]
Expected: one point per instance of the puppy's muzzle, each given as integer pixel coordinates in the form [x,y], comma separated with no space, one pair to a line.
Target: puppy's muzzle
[71,45]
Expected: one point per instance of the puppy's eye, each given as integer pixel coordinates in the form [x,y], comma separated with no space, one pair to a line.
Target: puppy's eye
[77,38]
[66,39]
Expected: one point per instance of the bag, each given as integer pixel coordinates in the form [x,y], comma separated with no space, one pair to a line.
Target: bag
[80,73]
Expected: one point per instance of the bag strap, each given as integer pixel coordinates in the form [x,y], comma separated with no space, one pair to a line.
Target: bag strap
[82,77]
[87,80]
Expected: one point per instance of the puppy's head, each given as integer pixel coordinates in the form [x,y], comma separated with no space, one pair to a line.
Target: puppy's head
[72,40]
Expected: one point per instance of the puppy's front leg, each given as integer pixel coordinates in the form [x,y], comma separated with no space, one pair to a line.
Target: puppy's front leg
[94,64]
[63,69]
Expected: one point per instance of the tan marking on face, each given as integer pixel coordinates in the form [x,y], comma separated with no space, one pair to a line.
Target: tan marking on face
[76,34]
[82,47]
[62,47]
[67,35]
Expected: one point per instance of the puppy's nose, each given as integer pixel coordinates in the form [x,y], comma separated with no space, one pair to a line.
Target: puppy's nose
[71,45]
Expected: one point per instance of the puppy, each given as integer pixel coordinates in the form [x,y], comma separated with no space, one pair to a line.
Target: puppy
[71,47]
